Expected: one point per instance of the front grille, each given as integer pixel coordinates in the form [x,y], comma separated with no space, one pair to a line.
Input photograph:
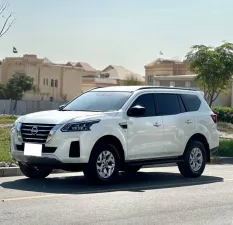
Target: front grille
[35,133]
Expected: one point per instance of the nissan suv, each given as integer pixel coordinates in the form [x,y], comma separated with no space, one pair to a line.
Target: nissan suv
[120,128]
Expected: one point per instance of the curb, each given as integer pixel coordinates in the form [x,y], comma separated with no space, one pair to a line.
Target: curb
[222,160]
[15,171]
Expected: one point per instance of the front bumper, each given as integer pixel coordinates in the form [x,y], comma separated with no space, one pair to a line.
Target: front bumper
[58,151]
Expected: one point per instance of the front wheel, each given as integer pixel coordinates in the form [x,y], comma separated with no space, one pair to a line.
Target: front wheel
[194,160]
[34,172]
[103,166]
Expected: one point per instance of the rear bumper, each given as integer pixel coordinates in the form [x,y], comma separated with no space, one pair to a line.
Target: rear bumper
[213,150]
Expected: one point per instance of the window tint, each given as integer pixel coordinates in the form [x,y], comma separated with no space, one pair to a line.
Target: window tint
[167,104]
[147,101]
[191,102]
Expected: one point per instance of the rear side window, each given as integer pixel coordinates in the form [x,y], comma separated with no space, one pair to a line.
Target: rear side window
[192,102]
[167,104]
[147,101]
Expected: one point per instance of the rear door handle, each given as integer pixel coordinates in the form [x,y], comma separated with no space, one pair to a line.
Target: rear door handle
[156,124]
[188,121]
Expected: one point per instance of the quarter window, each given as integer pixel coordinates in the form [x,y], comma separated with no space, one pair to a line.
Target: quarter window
[147,101]
[191,102]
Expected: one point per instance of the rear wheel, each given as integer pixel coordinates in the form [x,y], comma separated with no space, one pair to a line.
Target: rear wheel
[194,160]
[103,166]
[34,172]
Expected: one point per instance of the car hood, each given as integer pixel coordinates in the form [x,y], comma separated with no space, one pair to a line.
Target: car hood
[59,117]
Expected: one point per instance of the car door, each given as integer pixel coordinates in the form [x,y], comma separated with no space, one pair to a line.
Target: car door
[178,125]
[145,133]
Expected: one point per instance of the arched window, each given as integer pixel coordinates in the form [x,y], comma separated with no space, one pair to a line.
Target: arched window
[52,83]
[56,83]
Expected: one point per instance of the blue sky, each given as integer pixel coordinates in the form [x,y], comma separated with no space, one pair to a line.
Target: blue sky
[120,32]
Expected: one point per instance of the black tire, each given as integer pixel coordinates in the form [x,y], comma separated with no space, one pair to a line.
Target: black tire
[92,174]
[132,169]
[186,167]
[34,172]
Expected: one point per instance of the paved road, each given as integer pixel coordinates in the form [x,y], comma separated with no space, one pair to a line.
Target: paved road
[153,196]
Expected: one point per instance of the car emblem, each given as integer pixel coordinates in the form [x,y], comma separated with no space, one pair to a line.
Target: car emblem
[34,130]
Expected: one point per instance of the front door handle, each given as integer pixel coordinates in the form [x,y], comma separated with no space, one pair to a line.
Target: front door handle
[188,121]
[156,124]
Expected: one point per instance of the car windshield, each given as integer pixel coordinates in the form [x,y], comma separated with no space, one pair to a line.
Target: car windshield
[98,101]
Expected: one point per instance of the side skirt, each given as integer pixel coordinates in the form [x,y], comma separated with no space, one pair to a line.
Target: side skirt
[147,162]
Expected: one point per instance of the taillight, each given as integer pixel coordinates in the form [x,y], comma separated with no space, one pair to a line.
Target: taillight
[214,117]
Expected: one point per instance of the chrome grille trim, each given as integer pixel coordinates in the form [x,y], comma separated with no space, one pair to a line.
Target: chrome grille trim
[40,137]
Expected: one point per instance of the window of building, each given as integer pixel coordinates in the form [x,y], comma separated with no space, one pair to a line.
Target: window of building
[191,102]
[150,80]
[167,104]
[52,83]
[147,101]
[47,81]
[56,83]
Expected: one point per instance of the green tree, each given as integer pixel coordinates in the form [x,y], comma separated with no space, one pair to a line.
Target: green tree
[2,91]
[214,68]
[18,85]
[132,80]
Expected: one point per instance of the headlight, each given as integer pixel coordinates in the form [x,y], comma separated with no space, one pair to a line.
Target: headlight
[79,126]
[18,131]
[13,126]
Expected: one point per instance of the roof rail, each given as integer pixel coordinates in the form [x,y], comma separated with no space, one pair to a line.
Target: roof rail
[166,87]
[94,88]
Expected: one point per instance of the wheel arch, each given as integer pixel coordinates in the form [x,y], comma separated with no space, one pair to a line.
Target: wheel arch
[203,140]
[111,139]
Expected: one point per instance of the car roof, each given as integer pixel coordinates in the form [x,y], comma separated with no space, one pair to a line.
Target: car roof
[136,88]
[118,88]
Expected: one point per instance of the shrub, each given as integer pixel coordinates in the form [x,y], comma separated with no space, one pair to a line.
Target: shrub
[225,148]
[225,114]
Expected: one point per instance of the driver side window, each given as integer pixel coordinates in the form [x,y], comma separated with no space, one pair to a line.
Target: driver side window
[147,101]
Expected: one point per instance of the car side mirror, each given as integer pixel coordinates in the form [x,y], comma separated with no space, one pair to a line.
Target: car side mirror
[61,107]
[136,111]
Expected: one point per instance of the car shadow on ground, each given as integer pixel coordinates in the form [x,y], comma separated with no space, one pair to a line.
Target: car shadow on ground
[138,182]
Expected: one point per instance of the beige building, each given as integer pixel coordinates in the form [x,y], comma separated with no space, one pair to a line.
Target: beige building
[188,81]
[173,73]
[165,67]
[119,73]
[60,82]
[110,76]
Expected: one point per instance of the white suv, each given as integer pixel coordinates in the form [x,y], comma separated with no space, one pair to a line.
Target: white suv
[121,128]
